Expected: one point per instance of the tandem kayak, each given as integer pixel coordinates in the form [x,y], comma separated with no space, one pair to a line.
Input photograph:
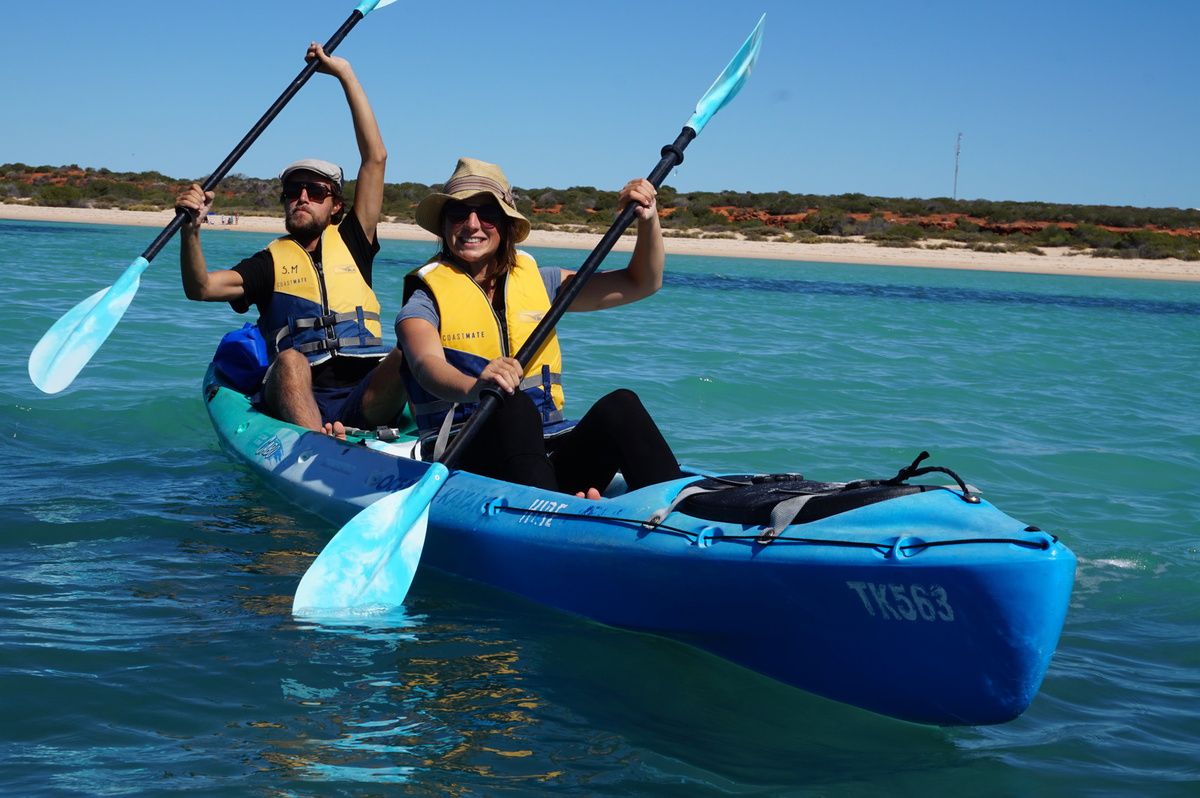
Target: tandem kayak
[919,602]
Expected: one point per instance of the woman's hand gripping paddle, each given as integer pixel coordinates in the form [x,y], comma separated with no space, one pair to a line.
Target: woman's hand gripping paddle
[70,343]
[371,561]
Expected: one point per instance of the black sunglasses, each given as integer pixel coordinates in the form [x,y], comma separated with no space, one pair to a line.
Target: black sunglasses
[489,215]
[317,192]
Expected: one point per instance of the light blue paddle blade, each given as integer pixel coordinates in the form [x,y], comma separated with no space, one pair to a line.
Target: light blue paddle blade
[367,6]
[369,564]
[729,82]
[70,343]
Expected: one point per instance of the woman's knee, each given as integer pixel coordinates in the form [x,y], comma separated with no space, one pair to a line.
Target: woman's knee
[619,406]
[518,407]
[515,423]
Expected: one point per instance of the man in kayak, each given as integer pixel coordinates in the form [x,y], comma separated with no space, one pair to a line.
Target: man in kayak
[312,287]
[471,307]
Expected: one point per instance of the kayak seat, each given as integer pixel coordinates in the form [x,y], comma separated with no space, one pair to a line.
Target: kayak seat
[752,499]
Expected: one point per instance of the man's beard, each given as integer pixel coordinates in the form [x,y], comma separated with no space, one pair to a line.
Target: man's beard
[302,230]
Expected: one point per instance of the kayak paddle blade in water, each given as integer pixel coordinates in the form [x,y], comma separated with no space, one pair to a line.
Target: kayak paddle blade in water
[72,341]
[370,563]
[350,550]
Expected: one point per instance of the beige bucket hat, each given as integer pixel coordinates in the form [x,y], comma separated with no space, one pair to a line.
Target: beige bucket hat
[472,178]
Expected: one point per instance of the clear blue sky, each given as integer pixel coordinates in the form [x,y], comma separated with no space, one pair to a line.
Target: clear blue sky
[1067,101]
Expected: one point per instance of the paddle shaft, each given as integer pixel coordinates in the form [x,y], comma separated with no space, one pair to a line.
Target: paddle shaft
[672,156]
[219,174]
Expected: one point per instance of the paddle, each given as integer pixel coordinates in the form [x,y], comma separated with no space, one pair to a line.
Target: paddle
[371,561]
[70,343]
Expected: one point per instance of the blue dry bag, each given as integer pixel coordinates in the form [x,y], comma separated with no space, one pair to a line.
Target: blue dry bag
[241,358]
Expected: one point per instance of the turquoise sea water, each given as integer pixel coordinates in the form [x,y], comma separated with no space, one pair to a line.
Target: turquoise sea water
[146,644]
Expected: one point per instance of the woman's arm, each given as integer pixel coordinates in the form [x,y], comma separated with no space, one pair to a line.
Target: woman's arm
[422,345]
[643,276]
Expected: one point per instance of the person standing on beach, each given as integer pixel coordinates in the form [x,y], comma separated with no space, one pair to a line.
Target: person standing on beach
[312,287]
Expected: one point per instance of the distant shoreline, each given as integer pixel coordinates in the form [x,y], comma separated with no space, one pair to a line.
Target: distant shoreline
[1057,261]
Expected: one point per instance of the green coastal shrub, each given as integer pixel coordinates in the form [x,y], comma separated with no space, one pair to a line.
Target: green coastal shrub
[1053,236]
[903,233]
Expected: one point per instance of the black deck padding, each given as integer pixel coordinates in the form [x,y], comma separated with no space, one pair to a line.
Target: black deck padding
[752,504]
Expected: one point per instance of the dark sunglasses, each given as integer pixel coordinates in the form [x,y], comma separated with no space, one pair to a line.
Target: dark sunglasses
[317,192]
[457,212]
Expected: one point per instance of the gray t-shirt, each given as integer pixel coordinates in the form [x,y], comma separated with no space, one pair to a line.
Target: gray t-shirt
[421,305]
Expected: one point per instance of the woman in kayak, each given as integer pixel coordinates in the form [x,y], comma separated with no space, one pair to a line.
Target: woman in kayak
[467,312]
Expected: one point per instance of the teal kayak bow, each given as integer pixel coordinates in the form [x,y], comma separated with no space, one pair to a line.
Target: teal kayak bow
[371,561]
[72,340]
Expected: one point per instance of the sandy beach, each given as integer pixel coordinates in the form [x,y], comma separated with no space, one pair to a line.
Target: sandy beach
[1056,260]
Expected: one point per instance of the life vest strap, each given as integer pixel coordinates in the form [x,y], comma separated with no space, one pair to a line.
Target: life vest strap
[328,321]
[331,320]
[545,380]
[552,416]
[322,322]
[540,381]
[444,432]
[334,344]
[436,407]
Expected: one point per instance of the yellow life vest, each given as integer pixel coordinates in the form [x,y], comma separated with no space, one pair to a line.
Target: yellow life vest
[320,312]
[472,335]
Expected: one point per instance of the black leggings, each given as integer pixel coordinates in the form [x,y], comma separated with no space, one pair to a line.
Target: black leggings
[616,434]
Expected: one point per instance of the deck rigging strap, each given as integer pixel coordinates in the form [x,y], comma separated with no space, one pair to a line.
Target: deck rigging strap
[782,516]
[776,501]
[659,515]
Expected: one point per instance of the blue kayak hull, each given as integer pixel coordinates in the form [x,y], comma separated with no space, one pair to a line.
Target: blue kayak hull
[924,607]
